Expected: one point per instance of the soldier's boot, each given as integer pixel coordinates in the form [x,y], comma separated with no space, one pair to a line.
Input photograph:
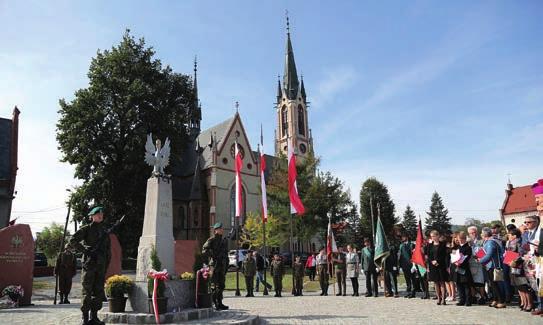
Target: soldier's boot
[61,300]
[85,319]
[66,301]
[94,318]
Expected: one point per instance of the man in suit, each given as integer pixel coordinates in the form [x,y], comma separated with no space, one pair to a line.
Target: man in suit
[406,251]
[370,271]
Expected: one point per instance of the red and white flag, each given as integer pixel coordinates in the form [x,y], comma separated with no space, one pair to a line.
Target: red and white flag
[296,205]
[331,246]
[263,186]
[239,165]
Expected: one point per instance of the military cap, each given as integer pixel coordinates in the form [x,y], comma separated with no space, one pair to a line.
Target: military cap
[218,225]
[95,210]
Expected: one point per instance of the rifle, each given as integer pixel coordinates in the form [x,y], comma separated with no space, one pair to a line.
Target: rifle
[93,253]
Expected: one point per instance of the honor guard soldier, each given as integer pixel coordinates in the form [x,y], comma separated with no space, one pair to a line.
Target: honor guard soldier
[216,250]
[298,272]
[249,271]
[322,271]
[65,269]
[277,271]
[93,241]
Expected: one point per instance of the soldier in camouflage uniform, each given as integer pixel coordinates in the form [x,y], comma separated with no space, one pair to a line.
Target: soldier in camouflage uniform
[93,241]
[277,271]
[65,269]
[249,271]
[216,249]
[299,271]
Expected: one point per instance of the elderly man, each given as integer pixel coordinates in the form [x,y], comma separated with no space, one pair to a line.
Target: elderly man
[477,271]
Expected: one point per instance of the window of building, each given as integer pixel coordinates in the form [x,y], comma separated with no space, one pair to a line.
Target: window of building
[284,121]
[301,120]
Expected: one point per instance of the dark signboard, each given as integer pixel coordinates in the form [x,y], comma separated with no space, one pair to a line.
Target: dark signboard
[5,148]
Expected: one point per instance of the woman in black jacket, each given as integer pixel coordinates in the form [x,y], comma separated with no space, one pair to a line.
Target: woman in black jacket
[464,281]
[437,255]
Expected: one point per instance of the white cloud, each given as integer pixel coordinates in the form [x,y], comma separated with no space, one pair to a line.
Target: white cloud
[335,81]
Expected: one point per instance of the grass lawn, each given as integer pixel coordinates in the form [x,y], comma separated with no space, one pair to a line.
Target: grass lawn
[287,282]
[37,285]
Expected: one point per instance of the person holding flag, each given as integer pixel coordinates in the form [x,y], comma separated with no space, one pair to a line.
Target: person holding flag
[370,271]
[382,251]
[322,271]
[419,262]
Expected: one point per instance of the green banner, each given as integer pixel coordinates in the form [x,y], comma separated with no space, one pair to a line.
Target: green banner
[381,245]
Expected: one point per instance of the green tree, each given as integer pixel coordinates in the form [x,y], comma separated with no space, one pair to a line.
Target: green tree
[102,131]
[252,232]
[50,239]
[438,218]
[409,222]
[379,197]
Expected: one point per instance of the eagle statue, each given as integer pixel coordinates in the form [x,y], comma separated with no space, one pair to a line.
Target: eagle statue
[157,156]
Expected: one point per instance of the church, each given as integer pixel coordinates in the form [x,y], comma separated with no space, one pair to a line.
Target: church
[204,179]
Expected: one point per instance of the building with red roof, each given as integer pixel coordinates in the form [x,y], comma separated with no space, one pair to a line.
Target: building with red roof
[518,204]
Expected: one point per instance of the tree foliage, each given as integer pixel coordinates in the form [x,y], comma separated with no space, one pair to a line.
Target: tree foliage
[252,232]
[409,222]
[378,192]
[320,192]
[438,218]
[50,239]
[102,130]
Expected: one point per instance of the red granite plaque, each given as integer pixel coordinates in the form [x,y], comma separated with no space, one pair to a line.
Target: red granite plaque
[114,266]
[17,259]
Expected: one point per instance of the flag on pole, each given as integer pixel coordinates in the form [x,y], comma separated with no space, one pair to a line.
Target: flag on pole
[263,185]
[418,256]
[296,205]
[331,246]
[381,245]
[239,164]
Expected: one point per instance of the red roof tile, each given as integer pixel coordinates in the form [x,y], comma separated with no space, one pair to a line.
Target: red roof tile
[520,200]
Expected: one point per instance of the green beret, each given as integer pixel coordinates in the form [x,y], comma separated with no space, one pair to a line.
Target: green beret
[218,225]
[95,210]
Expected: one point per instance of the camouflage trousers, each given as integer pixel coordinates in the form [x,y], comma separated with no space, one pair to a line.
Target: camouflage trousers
[92,281]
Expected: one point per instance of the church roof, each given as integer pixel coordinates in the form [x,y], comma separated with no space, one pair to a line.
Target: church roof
[218,132]
[518,200]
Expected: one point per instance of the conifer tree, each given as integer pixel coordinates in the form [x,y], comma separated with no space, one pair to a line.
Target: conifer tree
[409,222]
[438,218]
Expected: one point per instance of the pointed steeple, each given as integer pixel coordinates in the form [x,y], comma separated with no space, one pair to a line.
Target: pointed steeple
[302,90]
[196,111]
[290,78]
[279,91]
[195,85]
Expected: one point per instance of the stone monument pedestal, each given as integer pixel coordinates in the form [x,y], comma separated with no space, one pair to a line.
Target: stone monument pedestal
[157,232]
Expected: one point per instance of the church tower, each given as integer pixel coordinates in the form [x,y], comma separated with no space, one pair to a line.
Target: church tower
[291,107]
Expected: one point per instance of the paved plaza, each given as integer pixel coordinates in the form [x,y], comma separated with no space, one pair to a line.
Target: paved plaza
[309,309]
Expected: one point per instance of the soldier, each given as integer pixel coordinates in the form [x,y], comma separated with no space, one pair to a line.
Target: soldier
[216,248]
[298,276]
[249,271]
[322,271]
[93,241]
[341,272]
[65,269]
[277,271]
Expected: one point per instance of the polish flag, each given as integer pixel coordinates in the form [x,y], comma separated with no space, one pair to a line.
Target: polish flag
[296,205]
[418,256]
[239,164]
[263,186]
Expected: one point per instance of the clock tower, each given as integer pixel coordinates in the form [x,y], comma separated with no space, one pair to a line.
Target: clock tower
[291,108]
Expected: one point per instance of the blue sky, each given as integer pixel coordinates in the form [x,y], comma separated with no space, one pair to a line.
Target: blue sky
[423,95]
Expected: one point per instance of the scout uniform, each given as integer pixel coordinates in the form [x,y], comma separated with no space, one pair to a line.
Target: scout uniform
[322,270]
[299,271]
[277,271]
[65,269]
[216,249]
[352,266]
[249,271]
[93,241]
[368,265]
[406,251]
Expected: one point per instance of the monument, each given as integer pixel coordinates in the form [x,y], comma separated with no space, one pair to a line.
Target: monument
[157,223]
[17,259]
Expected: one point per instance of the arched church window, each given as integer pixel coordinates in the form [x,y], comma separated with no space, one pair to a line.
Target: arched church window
[233,205]
[284,124]
[301,120]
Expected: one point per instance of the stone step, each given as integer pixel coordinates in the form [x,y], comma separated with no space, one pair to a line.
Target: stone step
[168,318]
[230,317]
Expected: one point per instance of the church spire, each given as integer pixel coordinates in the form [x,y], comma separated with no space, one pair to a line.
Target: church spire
[279,91]
[302,88]
[290,78]
[195,86]
[196,111]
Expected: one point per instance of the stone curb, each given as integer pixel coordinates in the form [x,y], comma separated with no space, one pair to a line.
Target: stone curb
[141,318]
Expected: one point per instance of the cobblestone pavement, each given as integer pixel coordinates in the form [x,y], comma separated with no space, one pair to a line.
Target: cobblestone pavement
[309,309]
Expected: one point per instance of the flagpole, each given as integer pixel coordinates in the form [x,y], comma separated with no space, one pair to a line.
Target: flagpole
[372,224]
[236,223]
[265,292]
[292,253]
